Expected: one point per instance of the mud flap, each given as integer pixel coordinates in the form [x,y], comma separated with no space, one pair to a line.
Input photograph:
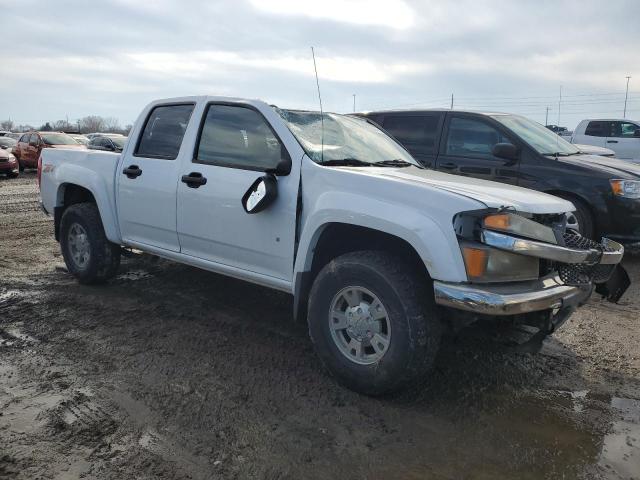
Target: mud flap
[614,288]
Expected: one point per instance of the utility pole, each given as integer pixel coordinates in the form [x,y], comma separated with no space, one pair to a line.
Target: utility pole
[546,118]
[626,95]
[452,101]
[559,104]
[354,103]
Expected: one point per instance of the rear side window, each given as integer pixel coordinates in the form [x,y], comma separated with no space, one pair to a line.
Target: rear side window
[238,137]
[24,138]
[163,132]
[598,129]
[414,130]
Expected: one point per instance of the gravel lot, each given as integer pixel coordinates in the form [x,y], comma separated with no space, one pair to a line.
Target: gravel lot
[171,372]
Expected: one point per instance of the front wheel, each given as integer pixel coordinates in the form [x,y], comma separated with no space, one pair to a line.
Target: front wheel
[373,322]
[89,256]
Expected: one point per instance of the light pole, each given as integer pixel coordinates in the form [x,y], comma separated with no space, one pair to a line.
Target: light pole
[626,95]
[546,117]
[354,103]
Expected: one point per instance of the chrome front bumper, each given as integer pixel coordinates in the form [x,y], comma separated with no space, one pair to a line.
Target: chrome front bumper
[546,293]
[510,299]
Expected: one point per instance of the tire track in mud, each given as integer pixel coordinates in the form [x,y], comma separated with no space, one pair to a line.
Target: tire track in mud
[173,372]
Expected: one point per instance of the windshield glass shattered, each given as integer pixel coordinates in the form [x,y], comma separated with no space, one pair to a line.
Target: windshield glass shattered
[334,139]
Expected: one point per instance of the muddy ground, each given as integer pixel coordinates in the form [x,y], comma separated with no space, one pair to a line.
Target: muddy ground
[172,372]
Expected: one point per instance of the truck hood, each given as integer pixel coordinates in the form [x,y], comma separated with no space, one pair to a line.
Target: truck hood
[613,166]
[595,150]
[492,194]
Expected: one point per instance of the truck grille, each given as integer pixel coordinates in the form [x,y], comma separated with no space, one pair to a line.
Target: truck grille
[583,274]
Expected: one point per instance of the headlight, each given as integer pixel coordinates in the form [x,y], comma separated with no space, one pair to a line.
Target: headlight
[626,188]
[485,264]
[512,223]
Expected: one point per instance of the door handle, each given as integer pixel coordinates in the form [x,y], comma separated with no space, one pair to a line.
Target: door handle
[132,171]
[612,141]
[194,180]
[449,166]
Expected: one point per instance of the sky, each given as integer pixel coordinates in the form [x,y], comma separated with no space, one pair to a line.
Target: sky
[70,58]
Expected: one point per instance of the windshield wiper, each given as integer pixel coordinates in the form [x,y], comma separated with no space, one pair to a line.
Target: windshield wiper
[557,154]
[347,162]
[354,162]
[395,163]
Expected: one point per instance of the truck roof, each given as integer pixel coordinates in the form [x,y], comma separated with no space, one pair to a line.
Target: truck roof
[418,110]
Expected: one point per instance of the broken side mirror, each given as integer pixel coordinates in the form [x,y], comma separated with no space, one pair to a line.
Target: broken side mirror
[261,194]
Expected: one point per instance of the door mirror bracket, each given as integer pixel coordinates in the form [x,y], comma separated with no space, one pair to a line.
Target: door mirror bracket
[260,194]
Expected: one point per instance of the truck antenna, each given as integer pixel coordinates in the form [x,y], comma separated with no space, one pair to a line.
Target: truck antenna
[321,111]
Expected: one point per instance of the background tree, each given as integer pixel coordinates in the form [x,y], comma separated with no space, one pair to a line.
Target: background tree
[91,124]
[6,125]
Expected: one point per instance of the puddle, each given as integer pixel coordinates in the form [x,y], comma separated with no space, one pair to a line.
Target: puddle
[621,448]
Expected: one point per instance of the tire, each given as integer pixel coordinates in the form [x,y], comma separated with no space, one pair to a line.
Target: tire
[583,216]
[13,175]
[413,332]
[102,257]
[20,166]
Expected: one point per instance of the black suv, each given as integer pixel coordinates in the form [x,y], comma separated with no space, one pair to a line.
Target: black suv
[512,149]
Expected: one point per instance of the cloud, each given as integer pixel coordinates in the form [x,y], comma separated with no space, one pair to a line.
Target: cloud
[112,58]
[386,13]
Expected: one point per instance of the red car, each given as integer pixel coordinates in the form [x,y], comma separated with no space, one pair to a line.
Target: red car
[8,163]
[29,146]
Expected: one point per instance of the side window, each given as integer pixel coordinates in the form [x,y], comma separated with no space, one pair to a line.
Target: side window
[469,137]
[163,132]
[414,130]
[24,138]
[598,129]
[238,137]
[626,129]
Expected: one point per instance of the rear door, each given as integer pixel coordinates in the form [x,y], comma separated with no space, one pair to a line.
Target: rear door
[148,178]
[466,149]
[624,140]
[236,144]
[419,132]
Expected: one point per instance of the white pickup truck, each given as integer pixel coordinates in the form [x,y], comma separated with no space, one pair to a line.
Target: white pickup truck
[621,136]
[379,253]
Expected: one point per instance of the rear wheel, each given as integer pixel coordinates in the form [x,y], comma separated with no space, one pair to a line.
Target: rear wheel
[13,175]
[89,256]
[373,322]
[20,166]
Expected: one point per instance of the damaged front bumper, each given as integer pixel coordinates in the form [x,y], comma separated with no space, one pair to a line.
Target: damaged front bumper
[579,264]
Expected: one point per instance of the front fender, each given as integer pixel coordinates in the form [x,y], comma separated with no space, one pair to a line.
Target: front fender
[436,245]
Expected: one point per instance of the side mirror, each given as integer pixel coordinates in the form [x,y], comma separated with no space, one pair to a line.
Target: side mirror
[261,194]
[110,147]
[507,151]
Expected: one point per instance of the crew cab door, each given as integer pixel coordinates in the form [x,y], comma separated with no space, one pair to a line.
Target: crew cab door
[148,178]
[624,139]
[466,149]
[235,146]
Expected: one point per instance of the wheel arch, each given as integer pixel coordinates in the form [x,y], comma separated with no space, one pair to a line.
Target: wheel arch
[333,239]
[71,193]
